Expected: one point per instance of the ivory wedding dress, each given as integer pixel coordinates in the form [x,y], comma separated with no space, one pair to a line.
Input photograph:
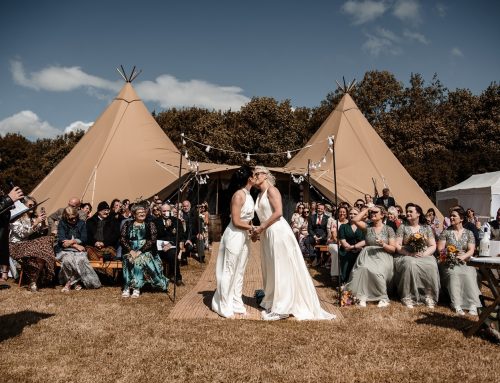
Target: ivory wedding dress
[231,263]
[288,287]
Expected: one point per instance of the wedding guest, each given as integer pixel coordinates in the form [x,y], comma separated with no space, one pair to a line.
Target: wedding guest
[54,219]
[495,227]
[87,209]
[103,234]
[459,279]
[312,208]
[371,276]
[297,219]
[333,249]
[342,215]
[318,232]
[205,217]
[415,268]
[359,204]
[304,232]
[433,222]
[194,245]
[471,217]
[352,241]
[369,200]
[126,213]
[385,200]
[141,264]
[393,216]
[31,247]
[116,210]
[70,251]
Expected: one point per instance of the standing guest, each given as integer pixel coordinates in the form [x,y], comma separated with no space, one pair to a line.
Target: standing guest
[87,209]
[459,279]
[167,226]
[297,219]
[141,264]
[70,251]
[32,247]
[385,200]
[471,217]
[103,234]
[6,201]
[205,217]
[372,274]
[495,227]
[369,201]
[416,270]
[318,231]
[352,241]
[54,219]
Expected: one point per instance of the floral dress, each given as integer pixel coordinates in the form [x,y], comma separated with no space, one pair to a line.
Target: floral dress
[146,267]
[416,277]
[460,280]
[374,268]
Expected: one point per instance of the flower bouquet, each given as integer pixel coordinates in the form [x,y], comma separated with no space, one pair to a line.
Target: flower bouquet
[347,298]
[448,257]
[416,243]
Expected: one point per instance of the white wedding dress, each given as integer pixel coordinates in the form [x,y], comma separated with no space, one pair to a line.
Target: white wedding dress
[231,263]
[288,287]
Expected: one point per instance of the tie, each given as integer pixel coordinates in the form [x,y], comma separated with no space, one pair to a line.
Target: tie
[319,219]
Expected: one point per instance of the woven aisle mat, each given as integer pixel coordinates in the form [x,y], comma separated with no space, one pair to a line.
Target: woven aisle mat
[196,303]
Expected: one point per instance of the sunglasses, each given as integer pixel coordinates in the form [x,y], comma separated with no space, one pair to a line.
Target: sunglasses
[306,211]
[373,212]
[359,205]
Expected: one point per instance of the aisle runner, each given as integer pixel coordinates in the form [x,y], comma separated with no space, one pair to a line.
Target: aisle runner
[196,304]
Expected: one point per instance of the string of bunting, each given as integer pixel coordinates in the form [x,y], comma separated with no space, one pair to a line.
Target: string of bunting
[301,178]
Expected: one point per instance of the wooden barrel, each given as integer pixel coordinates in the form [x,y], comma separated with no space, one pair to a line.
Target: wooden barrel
[214,228]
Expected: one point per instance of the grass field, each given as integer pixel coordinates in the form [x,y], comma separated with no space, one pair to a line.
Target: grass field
[97,336]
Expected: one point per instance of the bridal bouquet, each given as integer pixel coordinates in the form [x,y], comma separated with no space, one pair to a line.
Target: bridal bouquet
[448,257]
[347,298]
[416,243]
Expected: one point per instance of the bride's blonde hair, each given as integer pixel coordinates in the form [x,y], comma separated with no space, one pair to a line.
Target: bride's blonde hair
[262,169]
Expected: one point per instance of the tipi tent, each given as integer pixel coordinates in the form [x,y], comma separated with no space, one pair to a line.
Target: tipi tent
[362,160]
[125,154]
[481,192]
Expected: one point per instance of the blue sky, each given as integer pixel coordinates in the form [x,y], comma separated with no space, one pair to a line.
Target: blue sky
[58,59]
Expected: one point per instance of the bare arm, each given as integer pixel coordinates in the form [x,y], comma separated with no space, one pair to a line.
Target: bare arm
[237,202]
[359,220]
[275,200]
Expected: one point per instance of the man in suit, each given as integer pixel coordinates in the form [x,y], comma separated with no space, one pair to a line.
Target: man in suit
[194,232]
[385,200]
[318,231]
[166,226]
[103,234]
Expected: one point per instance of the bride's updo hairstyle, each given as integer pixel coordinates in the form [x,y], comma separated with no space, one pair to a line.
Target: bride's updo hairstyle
[240,177]
[262,169]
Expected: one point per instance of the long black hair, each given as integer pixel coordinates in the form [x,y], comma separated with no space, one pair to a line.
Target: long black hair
[238,180]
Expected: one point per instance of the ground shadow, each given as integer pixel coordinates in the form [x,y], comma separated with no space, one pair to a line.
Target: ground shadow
[445,321]
[12,325]
[209,294]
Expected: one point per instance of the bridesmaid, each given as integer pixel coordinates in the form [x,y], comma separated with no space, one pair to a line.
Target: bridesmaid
[352,240]
[374,268]
[460,280]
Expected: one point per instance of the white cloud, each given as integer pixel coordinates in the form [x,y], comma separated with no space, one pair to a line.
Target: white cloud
[78,125]
[59,79]
[364,11]
[415,36]
[456,52]
[407,10]
[29,125]
[383,41]
[167,91]
[441,9]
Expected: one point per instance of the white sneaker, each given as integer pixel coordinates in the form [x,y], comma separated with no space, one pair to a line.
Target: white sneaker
[126,293]
[136,293]
[429,302]
[473,311]
[33,287]
[272,316]
[459,311]
[408,302]
[383,303]
[362,303]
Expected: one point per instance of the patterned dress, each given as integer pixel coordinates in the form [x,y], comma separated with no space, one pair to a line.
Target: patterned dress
[147,266]
[374,268]
[414,277]
[460,280]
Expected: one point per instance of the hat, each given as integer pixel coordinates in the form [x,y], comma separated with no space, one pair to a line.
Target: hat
[102,206]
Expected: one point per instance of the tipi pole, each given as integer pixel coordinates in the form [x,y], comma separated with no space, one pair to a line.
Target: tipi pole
[178,220]
[337,221]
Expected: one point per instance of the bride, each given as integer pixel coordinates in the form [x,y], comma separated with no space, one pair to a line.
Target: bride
[233,252]
[288,287]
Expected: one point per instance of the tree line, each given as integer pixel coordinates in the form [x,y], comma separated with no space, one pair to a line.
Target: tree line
[440,136]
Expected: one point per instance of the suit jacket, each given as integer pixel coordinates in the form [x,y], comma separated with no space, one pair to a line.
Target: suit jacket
[111,231]
[390,202]
[169,232]
[319,230]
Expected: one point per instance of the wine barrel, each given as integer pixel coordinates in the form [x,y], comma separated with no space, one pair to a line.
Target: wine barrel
[214,228]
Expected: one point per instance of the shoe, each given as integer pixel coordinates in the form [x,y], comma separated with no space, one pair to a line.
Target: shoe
[65,289]
[272,316]
[4,276]
[362,303]
[264,313]
[78,287]
[335,281]
[408,302]
[126,293]
[473,311]
[459,311]
[33,287]
[429,302]
[136,293]
[383,303]
[179,283]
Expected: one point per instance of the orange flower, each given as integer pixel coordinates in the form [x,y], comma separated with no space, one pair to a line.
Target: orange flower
[451,249]
[417,236]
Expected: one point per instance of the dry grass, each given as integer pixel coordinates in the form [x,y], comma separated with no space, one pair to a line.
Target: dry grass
[96,336]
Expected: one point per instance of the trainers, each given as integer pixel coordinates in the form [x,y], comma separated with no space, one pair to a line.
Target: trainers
[362,303]
[429,302]
[473,311]
[272,316]
[33,287]
[78,287]
[126,293]
[459,311]
[408,302]
[136,293]
[383,303]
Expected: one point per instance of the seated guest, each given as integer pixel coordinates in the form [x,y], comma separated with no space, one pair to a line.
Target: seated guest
[297,219]
[70,251]
[416,272]
[471,217]
[155,211]
[194,233]
[343,215]
[385,200]
[359,204]
[393,218]
[318,231]
[352,241]
[205,216]
[141,264]
[116,210]
[495,227]
[87,209]
[371,276]
[369,200]
[333,249]
[55,217]
[126,209]
[103,234]
[167,226]
[433,221]
[459,279]
[32,247]
[303,232]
